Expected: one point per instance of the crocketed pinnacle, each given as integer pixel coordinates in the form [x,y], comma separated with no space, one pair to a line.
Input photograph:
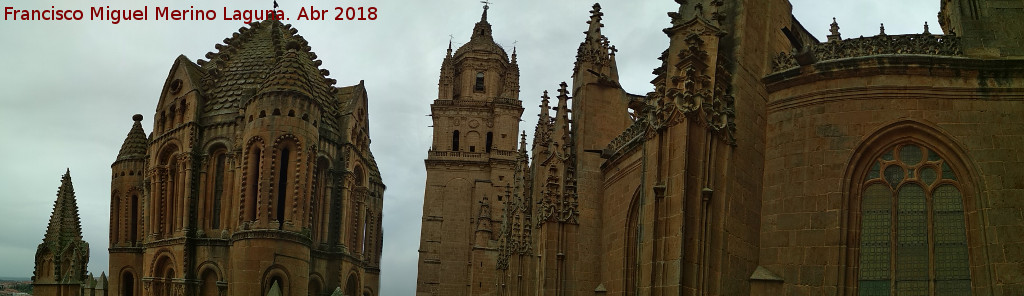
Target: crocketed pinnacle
[134,146]
[540,134]
[65,225]
[522,142]
[561,128]
[595,53]
[594,31]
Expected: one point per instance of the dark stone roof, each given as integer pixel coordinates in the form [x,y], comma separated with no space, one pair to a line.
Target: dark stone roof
[269,56]
[135,143]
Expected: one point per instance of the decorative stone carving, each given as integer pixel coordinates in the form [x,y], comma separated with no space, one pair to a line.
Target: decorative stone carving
[911,44]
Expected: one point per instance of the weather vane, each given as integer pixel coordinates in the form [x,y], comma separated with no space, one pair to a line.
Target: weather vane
[486,3]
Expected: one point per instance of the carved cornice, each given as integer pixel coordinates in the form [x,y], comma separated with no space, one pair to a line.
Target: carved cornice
[165,242]
[911,44]
[126,250]
[272,234]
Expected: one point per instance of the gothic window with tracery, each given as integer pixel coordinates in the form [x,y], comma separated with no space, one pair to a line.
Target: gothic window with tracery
[913,233]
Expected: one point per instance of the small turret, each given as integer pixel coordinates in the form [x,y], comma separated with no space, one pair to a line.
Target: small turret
[127,178]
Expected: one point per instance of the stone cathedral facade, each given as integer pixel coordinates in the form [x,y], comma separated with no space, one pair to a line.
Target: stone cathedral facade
[760,161]
[255,179]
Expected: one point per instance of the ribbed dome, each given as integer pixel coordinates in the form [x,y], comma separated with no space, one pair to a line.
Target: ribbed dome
[135,143]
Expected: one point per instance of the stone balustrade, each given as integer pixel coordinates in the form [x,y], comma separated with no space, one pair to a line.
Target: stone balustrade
[911,44]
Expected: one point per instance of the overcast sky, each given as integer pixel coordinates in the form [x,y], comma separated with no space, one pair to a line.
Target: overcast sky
[68,89]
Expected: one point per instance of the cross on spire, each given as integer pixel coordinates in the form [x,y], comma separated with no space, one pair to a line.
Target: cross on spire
[486,4]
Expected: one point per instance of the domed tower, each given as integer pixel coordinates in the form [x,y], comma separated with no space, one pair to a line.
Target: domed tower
[258,174]
[469,164]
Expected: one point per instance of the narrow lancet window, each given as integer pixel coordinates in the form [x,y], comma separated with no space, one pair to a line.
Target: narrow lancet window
[282,186]
[218,190]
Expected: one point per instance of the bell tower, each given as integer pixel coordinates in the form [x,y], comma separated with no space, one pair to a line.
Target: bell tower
[469,164]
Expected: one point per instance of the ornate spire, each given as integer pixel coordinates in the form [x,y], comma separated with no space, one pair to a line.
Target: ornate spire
[595,54]
[522,142]
[134,146]
[446,82]
[561,133]
[483,17]
[482,28]
[63,257]
[481,40]
[540,134]
[65,224]
[594,32]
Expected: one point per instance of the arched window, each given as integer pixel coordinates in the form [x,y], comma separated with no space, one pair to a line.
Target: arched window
[218,189]
[359,176]
[128,284]
[208,283]
[479,86]
[314,287]
[455,140]
[352,286]
[632,241]
[913,233]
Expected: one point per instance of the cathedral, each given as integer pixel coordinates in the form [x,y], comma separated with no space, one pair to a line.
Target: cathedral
[255,179]
[762,161]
